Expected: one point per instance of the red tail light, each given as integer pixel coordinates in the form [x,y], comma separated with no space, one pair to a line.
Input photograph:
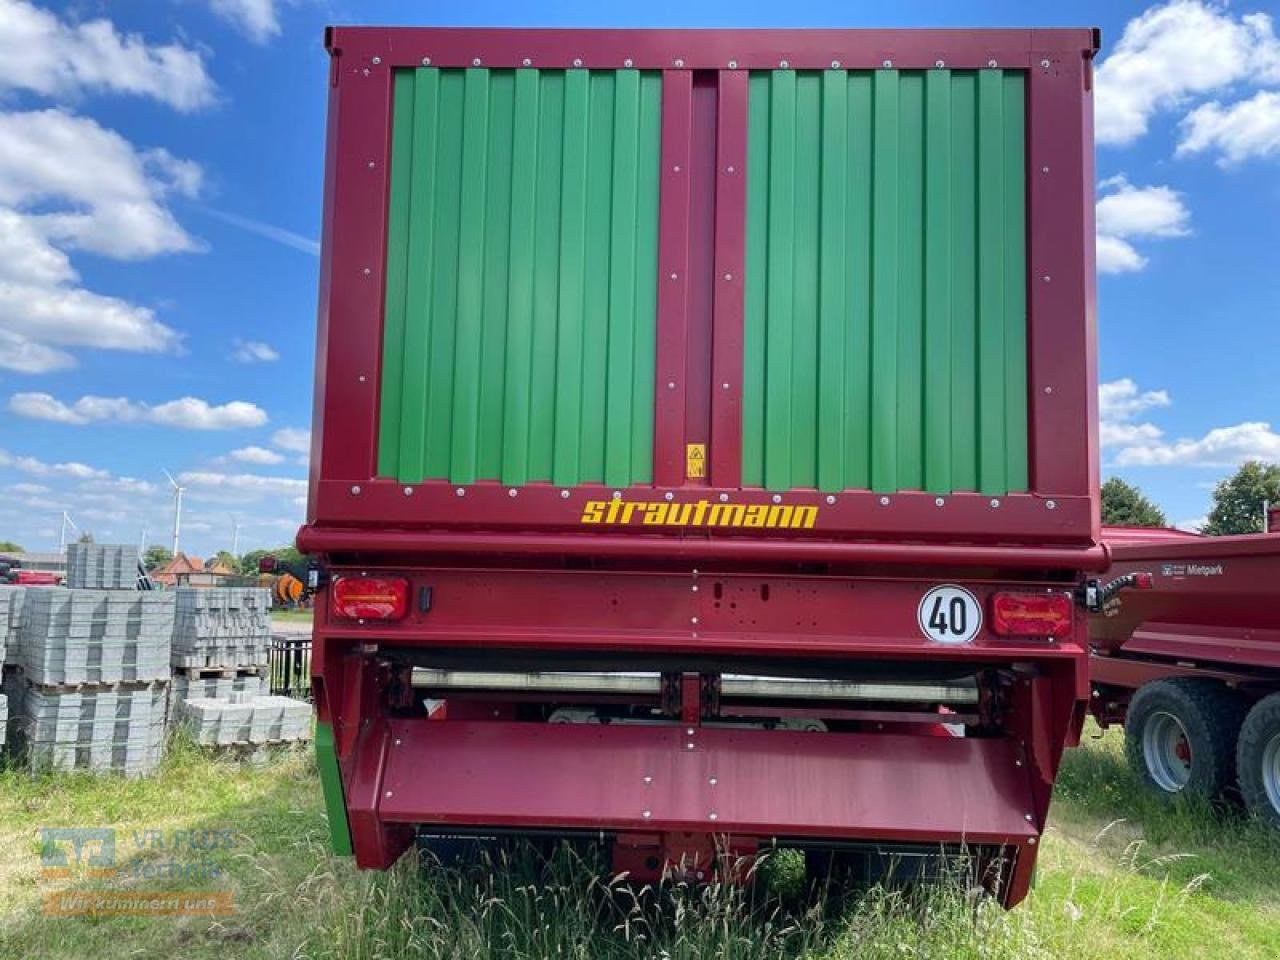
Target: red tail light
[1032,614]
[370,598]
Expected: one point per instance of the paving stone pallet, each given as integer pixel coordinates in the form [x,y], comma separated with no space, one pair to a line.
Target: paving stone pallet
[11,604]
[119,729]
[221,627]
[76,637]
[242,719]
[102,566]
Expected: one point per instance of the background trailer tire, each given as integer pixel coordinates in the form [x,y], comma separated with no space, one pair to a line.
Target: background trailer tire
[1180,737]
[1258,760]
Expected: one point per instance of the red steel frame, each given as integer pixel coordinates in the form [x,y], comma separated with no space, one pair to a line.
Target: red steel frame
[1061,509]
[477,544]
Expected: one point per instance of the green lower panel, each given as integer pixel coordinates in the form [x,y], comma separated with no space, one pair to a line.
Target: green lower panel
[521,276]
[335,806]
[886,271]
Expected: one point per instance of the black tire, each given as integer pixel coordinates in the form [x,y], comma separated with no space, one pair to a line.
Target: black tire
[1257,758]
[1206,715]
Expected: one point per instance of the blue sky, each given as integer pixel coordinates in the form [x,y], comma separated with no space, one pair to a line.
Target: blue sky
[160,172]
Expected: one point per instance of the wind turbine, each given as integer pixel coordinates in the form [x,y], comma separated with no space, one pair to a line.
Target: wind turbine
[177,507]
[235,536]
[62,539]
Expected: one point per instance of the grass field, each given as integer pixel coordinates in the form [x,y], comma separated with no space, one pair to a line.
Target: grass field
[292,616]
[1120,876]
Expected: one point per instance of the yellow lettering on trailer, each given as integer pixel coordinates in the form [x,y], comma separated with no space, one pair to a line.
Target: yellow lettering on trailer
[700,513]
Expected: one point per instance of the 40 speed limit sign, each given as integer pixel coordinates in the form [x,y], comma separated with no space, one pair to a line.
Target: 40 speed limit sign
[949,614]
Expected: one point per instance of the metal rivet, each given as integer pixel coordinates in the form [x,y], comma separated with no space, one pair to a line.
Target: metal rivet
[526,62]
[1044,169]
[688,746]
[513,492]
[367,271]
[648,779]
[1027,817]
[938,502]
[835,64]
[647,814]
[995,504]
[777,498]
[831,498]
[693,620]
[888,64]
[460,492]
[1017,763]
[617,494]
[372,164]
[671,384]
[724,386]
[365,71]
[1031,841]
[713,781]
[361,378]
[627,62]
[389,793]
[730,169]
[397,741]
[355,490]
[376,61]
[783,64]
[688,731]
[564,494]
[426,61]
[884,501]
[668,495]
[991,63]
[694,588]
[675,276]
[1046,278]
[939,64]
[1044,64]
[733,64]
[408,491]
[728,276]
[1051,505]
[577,62]
[1048,389]
[724,498]
[679,63]
[475,62]
[713,815]
[676,168]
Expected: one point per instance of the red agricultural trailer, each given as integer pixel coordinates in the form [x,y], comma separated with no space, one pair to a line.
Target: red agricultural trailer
[1191,666]
[704,452]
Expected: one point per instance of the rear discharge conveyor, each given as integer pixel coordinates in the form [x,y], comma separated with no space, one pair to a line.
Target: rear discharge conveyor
[704,455]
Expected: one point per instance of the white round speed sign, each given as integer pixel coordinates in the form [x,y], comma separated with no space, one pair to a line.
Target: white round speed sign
[949,614]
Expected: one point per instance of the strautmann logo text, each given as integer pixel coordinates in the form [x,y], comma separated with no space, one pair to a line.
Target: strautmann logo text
[701,513]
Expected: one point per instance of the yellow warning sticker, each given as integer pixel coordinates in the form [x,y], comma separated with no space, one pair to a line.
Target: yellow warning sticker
[695,458]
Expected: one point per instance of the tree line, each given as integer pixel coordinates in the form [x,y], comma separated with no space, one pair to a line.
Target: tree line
[1238,502]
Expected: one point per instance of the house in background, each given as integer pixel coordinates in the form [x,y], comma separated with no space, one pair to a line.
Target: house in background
[185,571]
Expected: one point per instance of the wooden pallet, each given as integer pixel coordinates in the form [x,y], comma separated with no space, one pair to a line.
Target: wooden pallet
[221,673]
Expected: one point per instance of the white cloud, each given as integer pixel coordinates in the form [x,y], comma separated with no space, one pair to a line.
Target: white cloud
[1125,212]
[293,439]
[1239,132]
[39,468]
[243,483]
[256,19]
[1141,443]
[258,455]
[66,182]
[254,351]
[56,58]
[28,489]
[1171,54]
[187,413]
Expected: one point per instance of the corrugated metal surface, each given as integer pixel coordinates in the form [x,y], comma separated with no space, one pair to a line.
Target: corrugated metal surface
[521,276]
[886,281]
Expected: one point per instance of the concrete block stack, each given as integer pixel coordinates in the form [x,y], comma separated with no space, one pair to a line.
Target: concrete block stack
[102,566]
[91,681]
[222,628]
[11,605]
[219,688]
[242,720]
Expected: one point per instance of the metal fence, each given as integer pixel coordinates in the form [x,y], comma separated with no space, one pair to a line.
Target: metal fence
[291,666]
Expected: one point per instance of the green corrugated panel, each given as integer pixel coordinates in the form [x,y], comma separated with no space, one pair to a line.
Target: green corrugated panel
[885,287]
[521,277]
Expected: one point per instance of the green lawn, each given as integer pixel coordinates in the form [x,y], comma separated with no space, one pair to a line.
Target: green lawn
[1120,877]
[292,616]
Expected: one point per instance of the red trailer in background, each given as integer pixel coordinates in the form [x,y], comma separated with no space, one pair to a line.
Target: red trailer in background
[1192,665]
[705,442]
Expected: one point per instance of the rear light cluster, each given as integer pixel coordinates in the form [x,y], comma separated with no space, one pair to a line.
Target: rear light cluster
[1032,614]
[370,598]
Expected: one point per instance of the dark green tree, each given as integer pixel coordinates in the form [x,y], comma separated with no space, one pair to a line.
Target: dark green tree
[1238,499]
[8,546]
[1124,505]
[226,557]
[86,537]
[156,557]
